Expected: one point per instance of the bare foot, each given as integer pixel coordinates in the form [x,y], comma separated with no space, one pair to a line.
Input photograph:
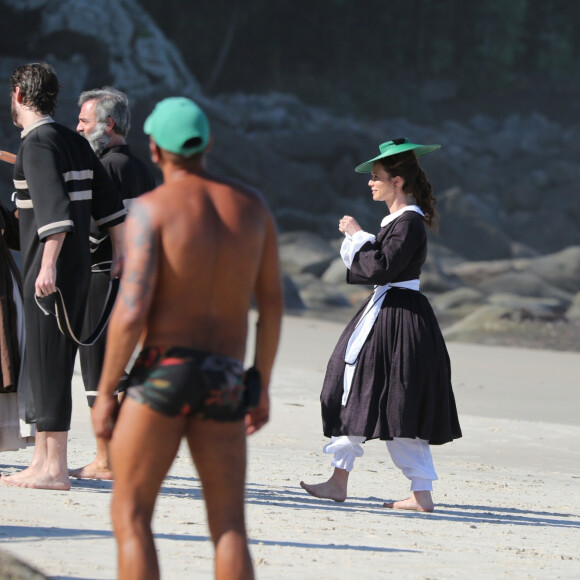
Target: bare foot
[35,481]
[30,470]
[326,490]
[420,501]
[92,471]
[335,488]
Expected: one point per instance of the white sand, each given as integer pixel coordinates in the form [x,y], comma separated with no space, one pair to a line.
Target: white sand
[507,503]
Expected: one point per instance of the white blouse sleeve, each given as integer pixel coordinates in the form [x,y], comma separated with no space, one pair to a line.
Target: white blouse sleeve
[352,244]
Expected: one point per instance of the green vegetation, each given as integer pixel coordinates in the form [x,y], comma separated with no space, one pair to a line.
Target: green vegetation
[360,55]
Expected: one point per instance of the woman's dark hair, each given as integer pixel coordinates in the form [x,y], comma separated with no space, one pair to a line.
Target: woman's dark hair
[38,86]
[405,165]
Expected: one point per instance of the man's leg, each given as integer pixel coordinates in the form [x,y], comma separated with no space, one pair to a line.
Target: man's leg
[143,447]
[48,368]
[48,469]
[219,452]
[99,467]
[91,359]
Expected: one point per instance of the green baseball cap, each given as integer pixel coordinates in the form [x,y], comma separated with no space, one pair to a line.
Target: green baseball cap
[392,148]
[179,126]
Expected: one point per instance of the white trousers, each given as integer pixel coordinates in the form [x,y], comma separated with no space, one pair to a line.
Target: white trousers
[411,456]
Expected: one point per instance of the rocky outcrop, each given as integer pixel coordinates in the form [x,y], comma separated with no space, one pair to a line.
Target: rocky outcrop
[522,301]
[508,244]
[91,44]
[13,568]
[505,186]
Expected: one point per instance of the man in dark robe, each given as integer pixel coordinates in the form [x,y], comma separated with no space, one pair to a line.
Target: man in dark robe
[104,119]
[60,184]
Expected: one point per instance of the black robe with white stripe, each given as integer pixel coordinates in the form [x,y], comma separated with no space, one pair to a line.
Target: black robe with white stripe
[60,183]
[132,178]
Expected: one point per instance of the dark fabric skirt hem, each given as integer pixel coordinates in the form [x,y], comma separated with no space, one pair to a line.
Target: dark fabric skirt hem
[452,438]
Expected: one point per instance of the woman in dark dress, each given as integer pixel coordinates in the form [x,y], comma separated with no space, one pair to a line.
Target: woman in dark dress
[389,376]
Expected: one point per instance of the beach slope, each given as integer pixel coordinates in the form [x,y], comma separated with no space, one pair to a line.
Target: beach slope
[507,499]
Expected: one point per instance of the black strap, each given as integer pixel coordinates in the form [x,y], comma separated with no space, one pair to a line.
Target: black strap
[54,304]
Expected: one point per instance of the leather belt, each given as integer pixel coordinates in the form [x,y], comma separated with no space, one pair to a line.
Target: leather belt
[54,304]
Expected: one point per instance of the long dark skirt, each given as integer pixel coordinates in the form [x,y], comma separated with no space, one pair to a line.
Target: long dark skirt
[402,383]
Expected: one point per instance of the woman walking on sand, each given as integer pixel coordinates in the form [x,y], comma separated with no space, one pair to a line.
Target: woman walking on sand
[389,376]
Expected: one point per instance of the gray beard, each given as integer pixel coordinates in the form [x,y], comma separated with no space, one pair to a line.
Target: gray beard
[98,139]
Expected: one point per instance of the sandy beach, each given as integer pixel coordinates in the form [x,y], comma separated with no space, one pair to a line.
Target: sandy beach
[507,499]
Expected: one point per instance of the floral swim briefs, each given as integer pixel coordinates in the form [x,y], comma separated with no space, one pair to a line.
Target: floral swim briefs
[182,381]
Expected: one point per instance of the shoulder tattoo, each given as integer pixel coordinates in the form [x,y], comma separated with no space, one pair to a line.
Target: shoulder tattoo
[141,258]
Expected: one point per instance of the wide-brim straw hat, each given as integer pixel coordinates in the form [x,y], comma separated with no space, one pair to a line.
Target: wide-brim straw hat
[392,148]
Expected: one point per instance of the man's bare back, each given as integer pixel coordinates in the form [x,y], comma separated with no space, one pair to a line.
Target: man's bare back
[198,249]
[211,237]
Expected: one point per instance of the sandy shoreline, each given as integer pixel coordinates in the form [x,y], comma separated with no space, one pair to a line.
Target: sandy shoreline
[507,500]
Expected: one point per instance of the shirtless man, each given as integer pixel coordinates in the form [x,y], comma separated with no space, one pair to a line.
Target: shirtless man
[197,249]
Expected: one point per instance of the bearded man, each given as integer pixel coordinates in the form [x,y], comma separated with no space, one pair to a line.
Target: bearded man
[105,120]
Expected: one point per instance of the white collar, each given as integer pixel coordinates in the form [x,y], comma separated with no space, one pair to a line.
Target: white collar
[393,216]
[43,121]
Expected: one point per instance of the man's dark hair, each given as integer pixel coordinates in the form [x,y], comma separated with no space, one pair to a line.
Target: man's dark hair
[38,86]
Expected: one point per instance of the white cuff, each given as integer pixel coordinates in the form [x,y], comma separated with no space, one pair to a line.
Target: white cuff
[352,244]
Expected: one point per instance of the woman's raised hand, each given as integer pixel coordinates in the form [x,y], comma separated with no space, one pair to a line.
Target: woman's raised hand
[348,225]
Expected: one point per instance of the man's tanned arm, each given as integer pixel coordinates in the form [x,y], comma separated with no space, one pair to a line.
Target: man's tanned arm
[130,313]
[268,293]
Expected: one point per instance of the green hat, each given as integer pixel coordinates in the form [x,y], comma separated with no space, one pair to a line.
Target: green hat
[392,148]
[179,126]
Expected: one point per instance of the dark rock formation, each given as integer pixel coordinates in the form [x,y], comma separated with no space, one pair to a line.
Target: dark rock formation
[13,568]
[506,187]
